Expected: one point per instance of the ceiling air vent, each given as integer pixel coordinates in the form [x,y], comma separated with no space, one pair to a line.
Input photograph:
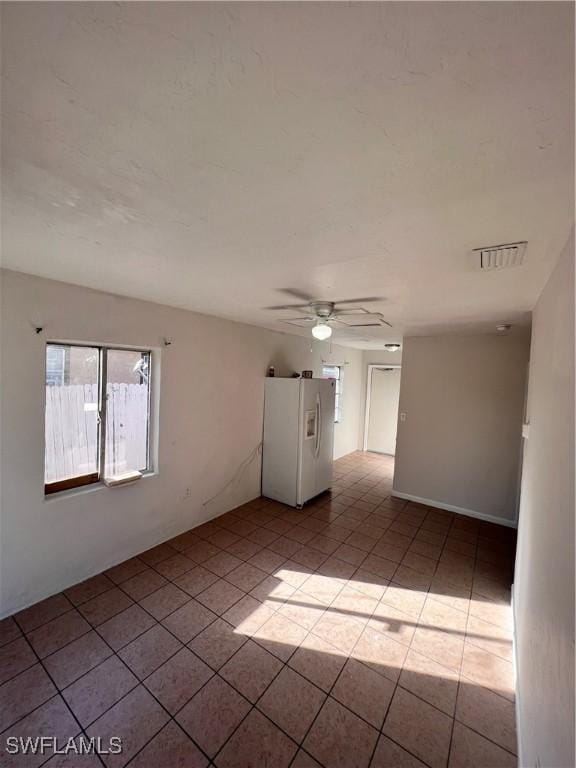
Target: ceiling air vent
[501,256]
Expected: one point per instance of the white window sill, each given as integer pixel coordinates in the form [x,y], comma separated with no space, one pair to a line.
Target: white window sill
[99,486]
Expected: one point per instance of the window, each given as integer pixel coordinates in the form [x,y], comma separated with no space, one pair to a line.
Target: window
[97,420]
[335,372]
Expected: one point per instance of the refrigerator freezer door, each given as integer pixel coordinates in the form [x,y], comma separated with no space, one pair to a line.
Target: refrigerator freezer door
[309,432]
[316,438]
[324,460]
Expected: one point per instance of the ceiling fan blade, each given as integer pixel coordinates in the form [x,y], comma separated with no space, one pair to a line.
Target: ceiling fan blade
[298,294]
[301,319]
[290,306]
[363,300]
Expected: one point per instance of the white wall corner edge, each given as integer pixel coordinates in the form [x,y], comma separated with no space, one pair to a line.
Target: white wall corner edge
[453,508]
[517,699]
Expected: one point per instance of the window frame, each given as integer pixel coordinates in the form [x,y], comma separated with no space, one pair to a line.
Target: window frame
[339,389]
[97,477]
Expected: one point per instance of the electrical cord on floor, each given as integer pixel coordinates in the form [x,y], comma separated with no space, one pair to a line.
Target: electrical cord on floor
[237,475]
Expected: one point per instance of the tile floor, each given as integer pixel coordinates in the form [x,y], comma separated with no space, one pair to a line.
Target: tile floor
[360,631]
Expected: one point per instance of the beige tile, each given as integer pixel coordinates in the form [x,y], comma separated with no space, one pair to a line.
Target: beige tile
[488,670]
[396,625]
[59,632]
[303,760]
[487,713]
[430,681]
[170,748]
[149,651]
[248,615]
[419,563]
[23,693]
[405,599]
[104,606]
[143,584]
[175,566]
[303,609]
[369,583]
[390,755]
[437,615]
[52,719]
[15,657]
[222,563]
[195,581]
[121,629]
[339,629]
[257,742]
[380,653]
[340,739]
[246,577]
[274,590]
[135,719]
[188,621]
[322,588]
[42,612]
[157,554]
[292,703]
[77,658]
[164,601]
[251,670]
[470,750]
[220,596]
[217,643]
[453,595]
[364,691]
[442,647]
[497,613]
[355,603]
[280,636]
[178,679]
[489,637]
[9,630]
[127,569]
[94,693]
[419,728]
[318,661]
[212,715]
[89,589]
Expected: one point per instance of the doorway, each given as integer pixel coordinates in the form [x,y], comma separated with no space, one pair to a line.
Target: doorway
[382,398]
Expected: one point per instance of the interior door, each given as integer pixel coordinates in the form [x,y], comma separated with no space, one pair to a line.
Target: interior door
[383,417]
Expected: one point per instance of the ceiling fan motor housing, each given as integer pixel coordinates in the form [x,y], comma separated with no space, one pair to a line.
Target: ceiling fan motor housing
[323,309]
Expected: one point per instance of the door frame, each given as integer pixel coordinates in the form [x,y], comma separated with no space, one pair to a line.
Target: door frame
[371,367]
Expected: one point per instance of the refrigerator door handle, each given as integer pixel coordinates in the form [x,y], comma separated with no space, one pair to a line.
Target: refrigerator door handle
[318,425]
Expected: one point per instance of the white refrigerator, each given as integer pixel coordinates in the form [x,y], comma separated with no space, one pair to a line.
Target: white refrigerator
[298,439]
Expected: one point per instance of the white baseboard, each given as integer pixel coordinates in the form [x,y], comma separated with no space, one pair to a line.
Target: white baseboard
[458,510]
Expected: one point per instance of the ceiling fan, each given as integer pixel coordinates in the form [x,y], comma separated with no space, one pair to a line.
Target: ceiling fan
[321,315]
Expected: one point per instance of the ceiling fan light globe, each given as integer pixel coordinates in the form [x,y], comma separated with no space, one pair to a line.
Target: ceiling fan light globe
[321,331]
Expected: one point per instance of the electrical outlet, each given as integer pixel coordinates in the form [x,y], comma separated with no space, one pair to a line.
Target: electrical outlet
[187,494]
[402,417]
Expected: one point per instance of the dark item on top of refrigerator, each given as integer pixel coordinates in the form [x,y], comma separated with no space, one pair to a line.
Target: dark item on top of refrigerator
[307,374]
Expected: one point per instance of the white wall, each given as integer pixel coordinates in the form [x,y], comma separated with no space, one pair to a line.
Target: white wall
[210,421]
[544,577]
[460,444]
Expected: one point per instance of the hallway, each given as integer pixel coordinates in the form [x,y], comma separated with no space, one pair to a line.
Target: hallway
[360,631]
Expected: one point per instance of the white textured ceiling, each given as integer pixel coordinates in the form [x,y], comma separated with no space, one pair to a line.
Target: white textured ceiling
[206,155]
